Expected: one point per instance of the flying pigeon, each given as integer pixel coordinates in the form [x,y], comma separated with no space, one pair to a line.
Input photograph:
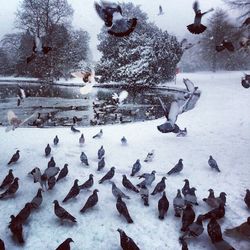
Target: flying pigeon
[56,140]
[51,182]
[98,135]
[225,44]
[163,206]
[73,129]
[136,167]
[126,242]
[144,194]
[108,176]
[148,179]
[84,158]
[11,190]
[150,156]
[213,164]
[124,141]
[101,152]
[86,76]
[87,184]
[47,150]
[61,213]
[111,14]
[247,198]
[73,192]
[81,139]
[123,210]
[186,188]
[160,11]
[177,168]
[128,185]
[101,164]
[63,173]
[197,27]
[179,204]
[117,192]
[121,97]
[91,201]
[188,217]
[14,158]
[9,178]
[16,228]
[190,197]
[37,200]
[160,187]
[65,245]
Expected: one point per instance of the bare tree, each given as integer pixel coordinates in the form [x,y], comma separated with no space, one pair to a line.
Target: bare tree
[242,5]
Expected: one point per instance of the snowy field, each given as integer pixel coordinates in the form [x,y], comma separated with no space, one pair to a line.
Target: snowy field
[218,126]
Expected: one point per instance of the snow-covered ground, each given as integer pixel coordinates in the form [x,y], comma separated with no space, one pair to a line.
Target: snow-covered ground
[218,126]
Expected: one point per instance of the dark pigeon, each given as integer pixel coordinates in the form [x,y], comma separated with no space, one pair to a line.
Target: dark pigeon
[24,214]
[100,152]
[11,189]
[247,198]
[16,228]
[178,204]
[211,200]
[160,11]
[188,217]
[126,242]
[84,158]
[163,206]
[61,213]
[101,164]
[98,135]
[73,192]
[56,140]
[184,245]
[123,210]
[124,141]
[108,176]
[212,163]
[73,129]
[81,139]
[186,188]
[63,173]
[51,182]
[128,185]
[217,213]
[191,197]
[91,201]
[241,232]
[37,200]
[222,198]
[9,178]
[47,150]
[144,194]
[148,179]
[87,184]
[160,187]
[225,44]
[14,158]
[136,167]
[177,168]
[65,245]
[2,246]
[51,163]
[246,22]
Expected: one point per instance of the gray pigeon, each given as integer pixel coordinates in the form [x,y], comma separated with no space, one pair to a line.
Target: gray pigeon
[191,197]
[108,176]
[100,152]
[47,150]
[61,213]
[124,141]
[51,172]
[163,206]
[37,177]
[51,182]
[144,194]
[212,163]
[51,163]
[98,135]
[37,200]
[9,178]
[101,164]
[177,168]
[128,185]
[136,167]
[160,186]
[14,158]
[186,188]
[149,178]
[150,156]
[56,140]
[63,173]
[122,209]
[211,200]
[87,184]
[91,201]
[81,139]
[73,192]
[178,204]
[11,190]
[84,158]
[117,192]
[222,198]
[65,245]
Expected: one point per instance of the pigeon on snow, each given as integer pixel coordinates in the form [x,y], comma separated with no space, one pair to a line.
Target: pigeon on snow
[65,245]
[9,178]
[160,186]
[148,179]
[179,204]
[37,200]
[88,183]
[136,167]
[91,201]
[188,217]
[56,140]
[213,164]
[14,158]
[123,210]
[63,173]
[117,192]
[126,242]
[108,176]
[163,206]
[84,158]
[101,152]
[73,192]
[11,190]
[128,185]
[61,213]
[99,134]
[101,164]
[177,168]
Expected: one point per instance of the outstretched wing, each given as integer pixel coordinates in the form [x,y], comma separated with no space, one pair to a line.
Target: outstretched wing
[173,112]
[123,95]
[100,11]
[189,85]
[196,6]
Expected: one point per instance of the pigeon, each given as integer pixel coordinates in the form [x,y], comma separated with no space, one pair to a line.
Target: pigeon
[37,200]
[16,228]
[160,186]
[24,214]
[75,118]
[128,185]
[38,177]
[38,49]
[186,188]
[160,11]
[98,135]
[144,194]
[225,44]
[188,217]
[124,141]
[63,173]
[197,27]
[11,190]
[178,204]
[126,242]
[73,129]
[108,176]
[2,246]
[136,167]
[56,140]
[191,197]
[182,133]
[87,184]
[222,198]
[148,179]
[211,200]
[65,245]
[177,168]
[14,158]
[122,209]
[51,182]
[73,192]
[217,213]
[246,22]
[47,150]
[9,178]
[150,156]
[117,192]
[101,164]
[51,163]
[117,24]
[184,245]
[121,97]
[241,232]
[212,163]
[101,153]
[61,213]
[50,172]
[84,158]
[81,139]
[247,198]
[91,201]
[163,206]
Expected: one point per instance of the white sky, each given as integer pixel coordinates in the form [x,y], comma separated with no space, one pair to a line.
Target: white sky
[178,14]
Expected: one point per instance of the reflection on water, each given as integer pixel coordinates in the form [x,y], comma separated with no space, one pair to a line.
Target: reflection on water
[62,103]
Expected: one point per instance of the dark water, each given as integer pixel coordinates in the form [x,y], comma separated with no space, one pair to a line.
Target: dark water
[65,102]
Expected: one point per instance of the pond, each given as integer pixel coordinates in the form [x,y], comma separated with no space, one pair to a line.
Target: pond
[64,102]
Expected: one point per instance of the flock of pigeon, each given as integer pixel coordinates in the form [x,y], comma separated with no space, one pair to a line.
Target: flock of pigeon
[183,203]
